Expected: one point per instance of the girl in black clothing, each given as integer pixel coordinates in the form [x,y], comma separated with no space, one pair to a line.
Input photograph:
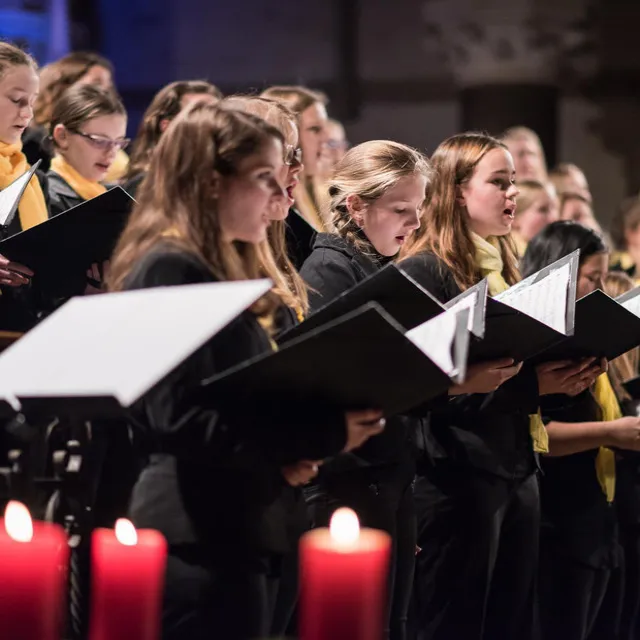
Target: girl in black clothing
[579,549]
[376,194]
[293,292]
[164,107]
[88,127]
[477,494]
[213,475]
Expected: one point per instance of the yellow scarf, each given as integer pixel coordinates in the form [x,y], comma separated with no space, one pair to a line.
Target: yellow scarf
[606,459]
[32,208]
[86,189]
[489,261]
[118,167]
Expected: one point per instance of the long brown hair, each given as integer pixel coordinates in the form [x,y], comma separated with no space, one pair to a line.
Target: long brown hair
[288,284]
[626,366]
[445,229]
[368,170]
[166,105]
[57,77]
[177,203]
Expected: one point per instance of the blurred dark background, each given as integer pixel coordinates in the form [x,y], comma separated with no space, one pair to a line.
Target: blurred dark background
[411,70]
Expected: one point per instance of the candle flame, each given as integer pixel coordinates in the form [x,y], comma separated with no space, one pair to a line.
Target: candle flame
[17,522]
[126,532]
[344,527]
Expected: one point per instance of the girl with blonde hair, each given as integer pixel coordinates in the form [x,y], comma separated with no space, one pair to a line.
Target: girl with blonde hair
[536,208]
[376,195]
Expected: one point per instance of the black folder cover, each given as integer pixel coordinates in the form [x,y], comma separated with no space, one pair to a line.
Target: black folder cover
[381,368]
[67,244]
[603,328]
[396,292]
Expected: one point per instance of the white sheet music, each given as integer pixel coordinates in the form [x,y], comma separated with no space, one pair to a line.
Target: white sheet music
[468,302]
[120,344]
[12,194]
[435,339]
[546,300]
[633,305]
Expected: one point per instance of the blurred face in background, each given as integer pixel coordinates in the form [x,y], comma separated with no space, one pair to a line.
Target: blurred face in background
[528,158]
[313,136]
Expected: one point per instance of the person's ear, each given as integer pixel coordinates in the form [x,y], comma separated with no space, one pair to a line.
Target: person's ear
[60,137]
[356,208]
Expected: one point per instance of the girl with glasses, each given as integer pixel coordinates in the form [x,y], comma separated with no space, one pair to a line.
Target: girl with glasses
[88,127]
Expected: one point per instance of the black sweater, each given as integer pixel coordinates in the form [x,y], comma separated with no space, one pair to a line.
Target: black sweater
[485,431]
[333,267]
[214,481]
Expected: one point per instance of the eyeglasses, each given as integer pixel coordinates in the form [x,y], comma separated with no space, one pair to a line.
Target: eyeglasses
[102,142]
[292,154]
[332,143]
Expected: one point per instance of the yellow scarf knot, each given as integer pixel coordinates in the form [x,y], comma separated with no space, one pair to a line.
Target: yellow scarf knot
[32,209]
[86,189]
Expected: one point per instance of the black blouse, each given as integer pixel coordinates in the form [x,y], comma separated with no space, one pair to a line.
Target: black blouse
[214,478]
[485,431]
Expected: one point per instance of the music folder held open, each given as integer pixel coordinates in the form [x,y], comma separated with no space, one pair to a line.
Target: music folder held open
[396,292]
[97,355]
[66,245]
[531,316]
[604,327]
[364,359]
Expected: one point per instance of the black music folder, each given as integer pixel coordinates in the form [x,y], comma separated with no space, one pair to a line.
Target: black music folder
[10,198]
[604,328]
[97,355]
[65,246]
[363,359]
[528,318]
[396,292]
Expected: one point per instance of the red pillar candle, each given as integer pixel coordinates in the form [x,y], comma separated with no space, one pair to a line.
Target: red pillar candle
[127,579]
[34,559]
[343,580]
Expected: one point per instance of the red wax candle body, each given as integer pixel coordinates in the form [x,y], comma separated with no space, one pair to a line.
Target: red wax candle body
[343,592]
[126,586]
[33,584]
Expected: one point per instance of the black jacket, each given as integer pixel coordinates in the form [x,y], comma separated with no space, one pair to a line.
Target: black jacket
[214,478]
[20,307]
[299,238]
[35,147]
[484,431]
[577,520]
[333,267]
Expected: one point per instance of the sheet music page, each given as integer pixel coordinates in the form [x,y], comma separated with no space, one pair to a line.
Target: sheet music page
[435,338]
[546,300]
[468,302]
[11,194]
[633,305]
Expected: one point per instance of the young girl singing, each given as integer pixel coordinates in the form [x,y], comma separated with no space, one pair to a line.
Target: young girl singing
[376,194]
[579,549]
[88,127]
[18,91]
[212,477]
[477,493]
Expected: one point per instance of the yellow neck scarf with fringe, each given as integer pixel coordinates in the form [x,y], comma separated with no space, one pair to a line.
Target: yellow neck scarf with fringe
[489,261]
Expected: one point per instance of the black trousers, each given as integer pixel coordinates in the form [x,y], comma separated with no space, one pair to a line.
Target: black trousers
[383,499]
[476,571]
[571,596]
[629,622]
[202,603]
